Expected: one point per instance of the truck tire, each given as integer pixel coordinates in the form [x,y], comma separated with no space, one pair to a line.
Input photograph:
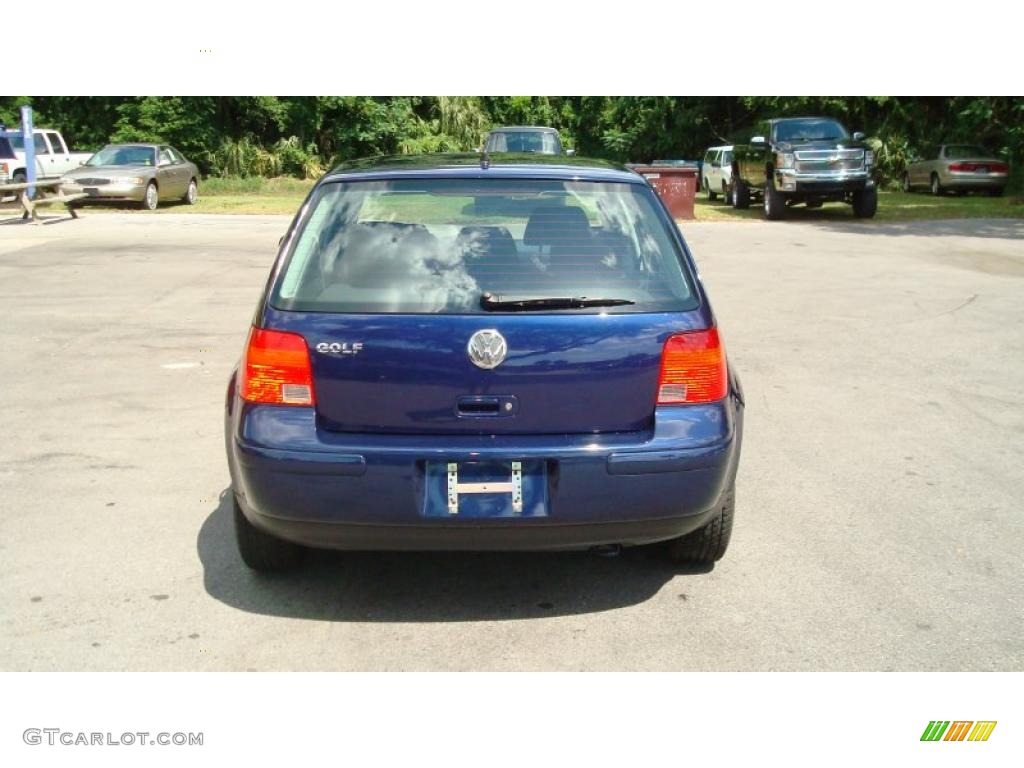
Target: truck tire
[740,193]
[261,551]
[17,178]
[865,202]
[936,186]
[708,544]
[774,202]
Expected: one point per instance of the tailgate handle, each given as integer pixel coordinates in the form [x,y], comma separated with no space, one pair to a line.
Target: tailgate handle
[485,405]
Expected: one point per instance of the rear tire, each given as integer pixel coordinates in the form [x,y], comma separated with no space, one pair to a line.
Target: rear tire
[191,193]
[906,183]
[261,551]
[774,202]
[936,186]
[865,203]
[740,194]
[708,544]
[17,178]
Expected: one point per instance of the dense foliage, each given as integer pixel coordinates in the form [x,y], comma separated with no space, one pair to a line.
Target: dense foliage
[302,136]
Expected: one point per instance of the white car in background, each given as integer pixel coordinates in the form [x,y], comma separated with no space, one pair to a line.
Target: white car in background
[53,159]
[716,172]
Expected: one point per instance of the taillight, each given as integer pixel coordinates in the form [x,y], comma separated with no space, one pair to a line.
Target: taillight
[999,168]
[277,369]
[693,369]
[959,167]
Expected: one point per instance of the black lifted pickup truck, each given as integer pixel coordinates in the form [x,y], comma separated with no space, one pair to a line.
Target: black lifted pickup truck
[809,160]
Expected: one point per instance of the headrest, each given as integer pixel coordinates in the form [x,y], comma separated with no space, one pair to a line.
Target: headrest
[555,225]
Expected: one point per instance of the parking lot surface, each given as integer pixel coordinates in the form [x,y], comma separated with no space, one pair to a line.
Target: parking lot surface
[878,527]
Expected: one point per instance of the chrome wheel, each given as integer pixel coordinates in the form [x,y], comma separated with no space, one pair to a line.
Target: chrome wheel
[152,198]
[190,195]
[936,187]
[906,182]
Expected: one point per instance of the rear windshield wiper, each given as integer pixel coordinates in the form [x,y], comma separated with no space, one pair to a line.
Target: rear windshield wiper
[493,303]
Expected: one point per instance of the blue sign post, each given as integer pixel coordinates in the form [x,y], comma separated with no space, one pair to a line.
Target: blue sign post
[30,148]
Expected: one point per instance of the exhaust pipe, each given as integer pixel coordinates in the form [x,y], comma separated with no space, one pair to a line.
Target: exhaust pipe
[607,550]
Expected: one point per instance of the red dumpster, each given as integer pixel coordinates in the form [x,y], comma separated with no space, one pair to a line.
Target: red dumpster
[676,185]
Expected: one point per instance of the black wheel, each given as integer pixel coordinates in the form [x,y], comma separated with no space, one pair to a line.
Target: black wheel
[774,202]
[740,194]
[191,193]
[261,551]
[906,183]
[995,192]
[936,185]
[708,544]
[707,190]
[865,203]
[18,178]
[152,198]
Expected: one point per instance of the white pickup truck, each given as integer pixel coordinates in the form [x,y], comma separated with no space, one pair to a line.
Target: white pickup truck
[53,159]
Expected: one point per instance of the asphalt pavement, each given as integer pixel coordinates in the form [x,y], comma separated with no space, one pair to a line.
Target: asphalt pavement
[879,520]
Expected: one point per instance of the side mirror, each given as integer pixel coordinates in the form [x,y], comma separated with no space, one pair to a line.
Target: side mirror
[570,152]
[858,136]
[758,140]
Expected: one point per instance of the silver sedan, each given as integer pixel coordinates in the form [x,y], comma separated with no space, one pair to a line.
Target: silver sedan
[140,173]
[956,168]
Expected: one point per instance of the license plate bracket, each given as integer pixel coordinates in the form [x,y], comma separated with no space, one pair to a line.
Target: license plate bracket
[484,489]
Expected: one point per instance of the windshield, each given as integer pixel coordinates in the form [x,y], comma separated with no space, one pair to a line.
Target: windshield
[809,129]
[440,245]
[128,155]
[540,142]
[961,151]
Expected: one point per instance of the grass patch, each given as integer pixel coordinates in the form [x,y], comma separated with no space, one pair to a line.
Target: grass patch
[892,206]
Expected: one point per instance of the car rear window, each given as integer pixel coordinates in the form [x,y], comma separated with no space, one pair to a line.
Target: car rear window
[961,151]
[438,245]
[523,141]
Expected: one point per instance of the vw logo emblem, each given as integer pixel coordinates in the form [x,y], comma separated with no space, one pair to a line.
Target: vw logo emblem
[487,348]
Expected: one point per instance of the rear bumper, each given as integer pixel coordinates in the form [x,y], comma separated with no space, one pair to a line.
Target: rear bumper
[973,180]
[524,535]
[367,491]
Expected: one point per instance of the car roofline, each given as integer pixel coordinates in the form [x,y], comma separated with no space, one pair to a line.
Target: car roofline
[538,128]
[474,166]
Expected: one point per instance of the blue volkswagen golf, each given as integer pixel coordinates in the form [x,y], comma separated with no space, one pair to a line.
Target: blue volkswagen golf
[466,352]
